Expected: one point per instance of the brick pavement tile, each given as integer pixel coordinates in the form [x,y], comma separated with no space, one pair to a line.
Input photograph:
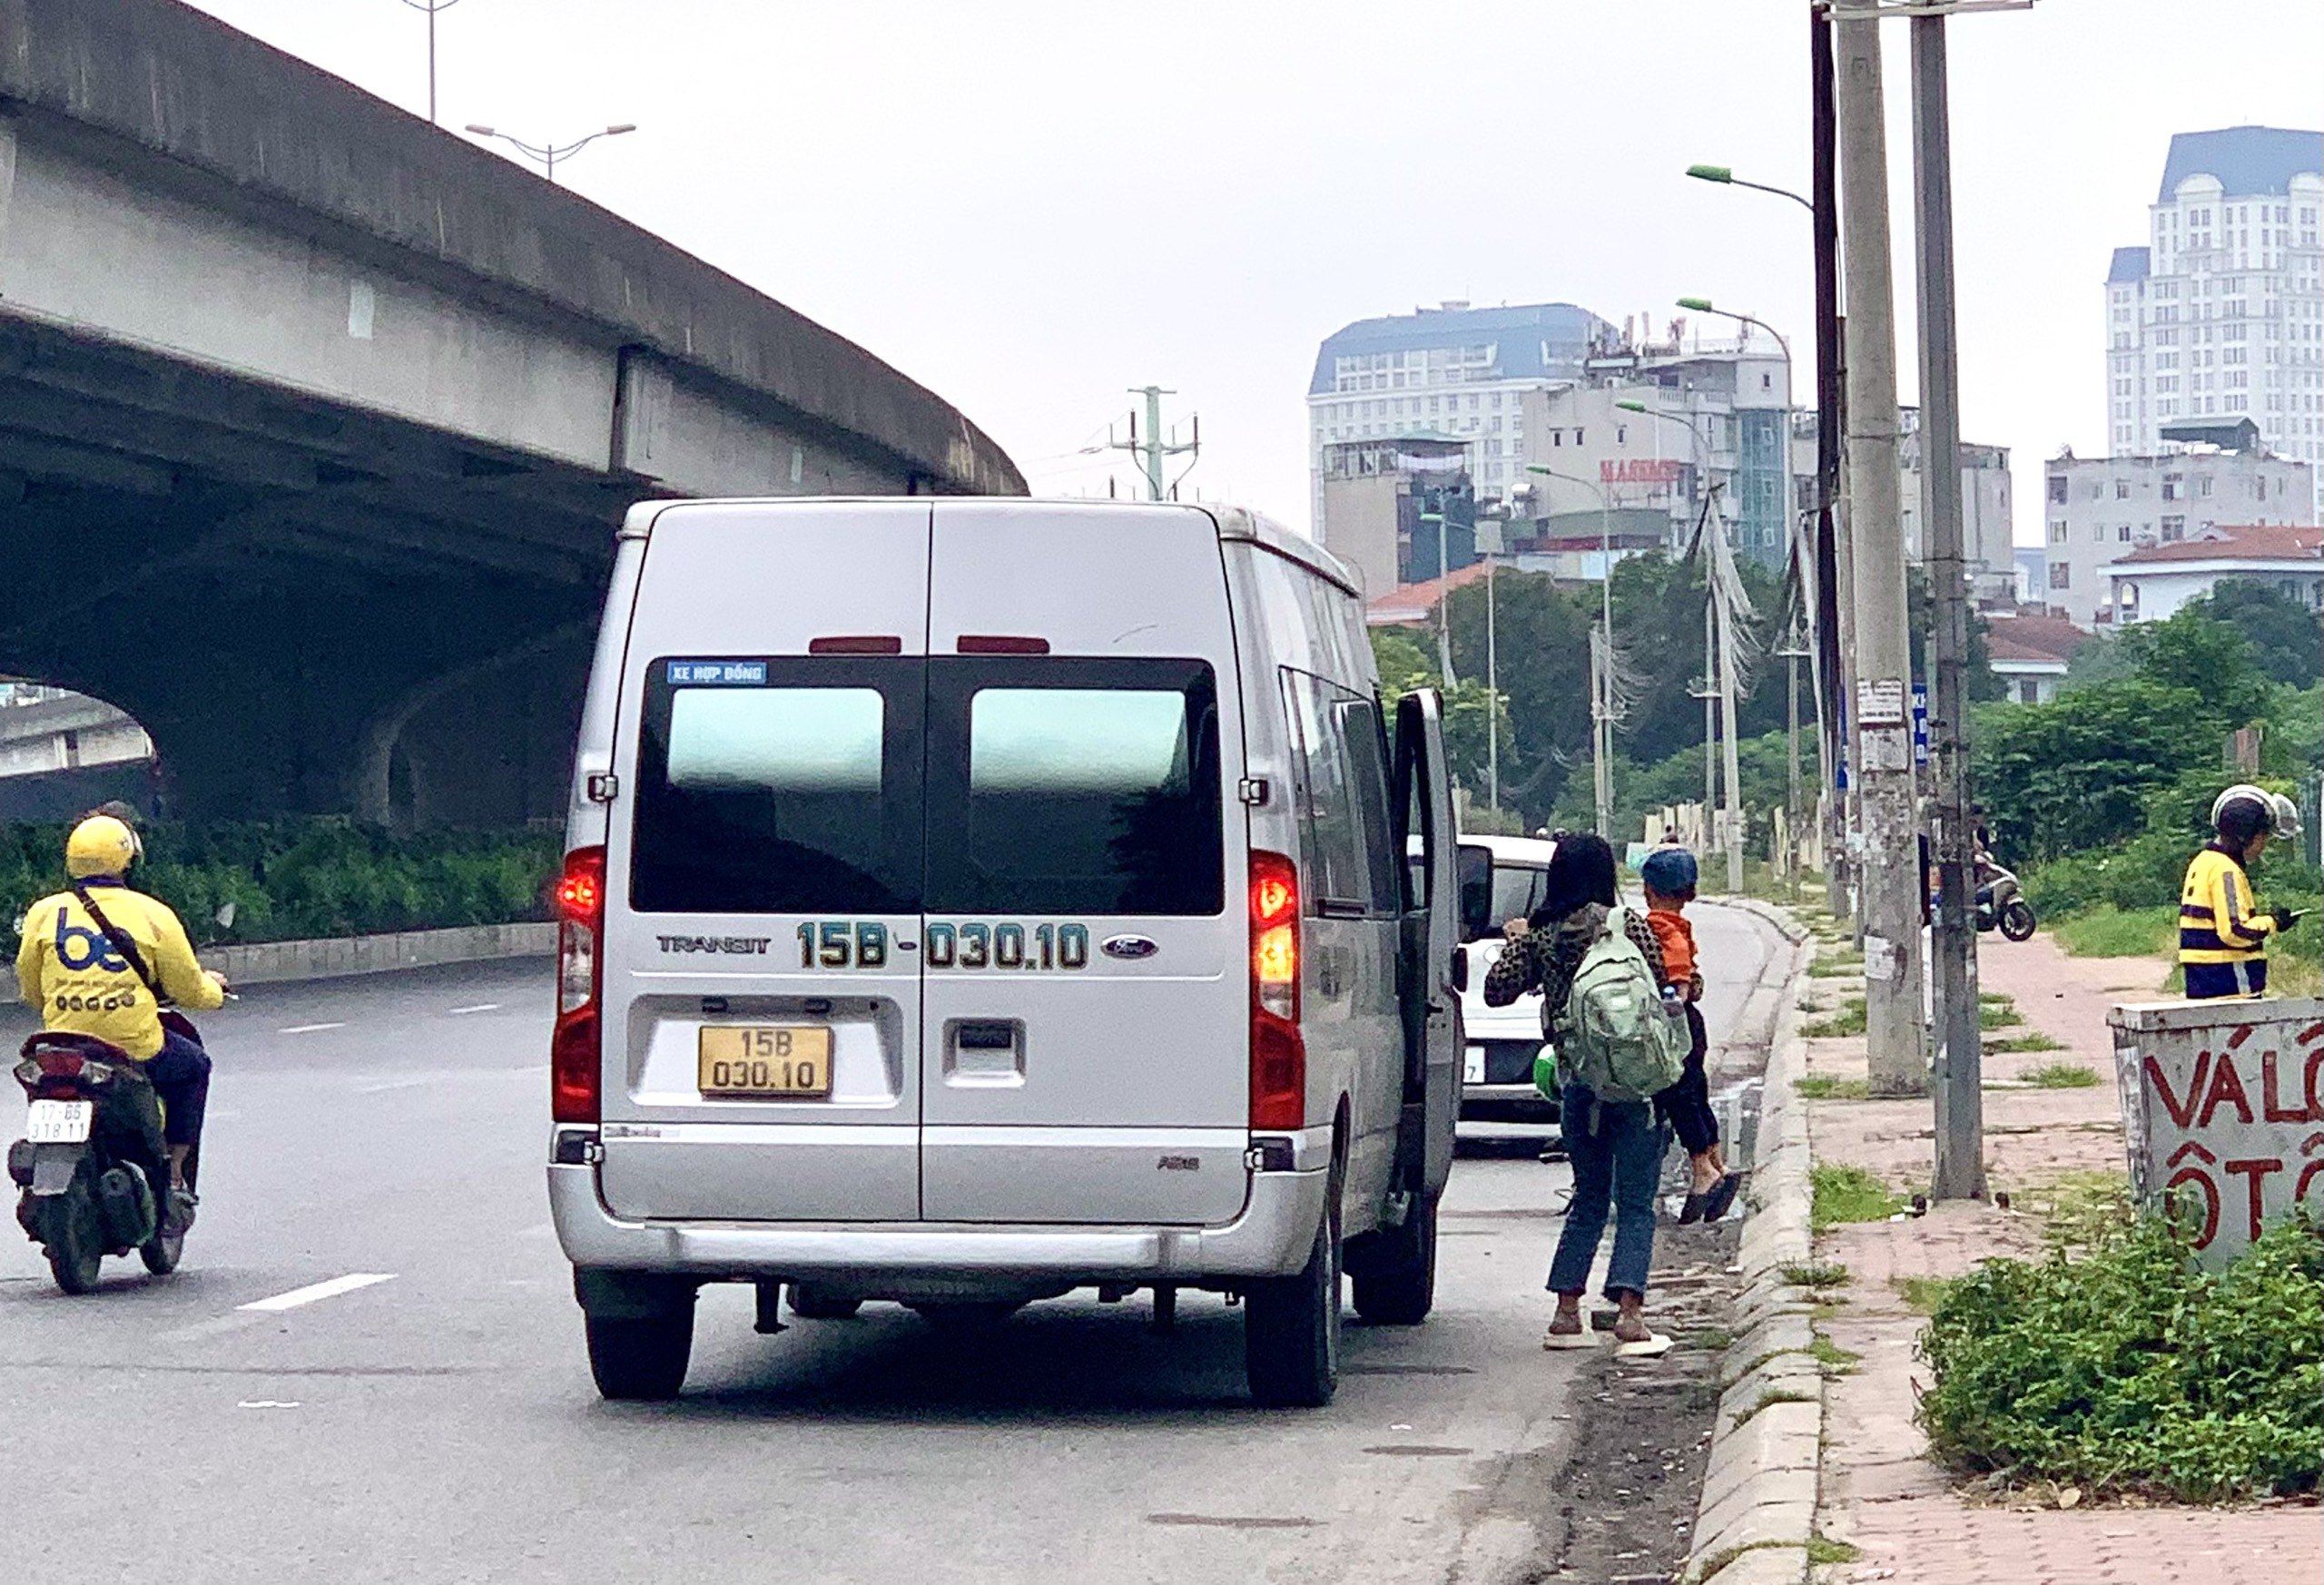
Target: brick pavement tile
[1939,1541]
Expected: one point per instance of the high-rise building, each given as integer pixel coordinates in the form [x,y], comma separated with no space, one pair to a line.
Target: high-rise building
[1455,371]
[2220,315]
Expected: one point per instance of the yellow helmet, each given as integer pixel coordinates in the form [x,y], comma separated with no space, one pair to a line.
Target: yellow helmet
[101,845]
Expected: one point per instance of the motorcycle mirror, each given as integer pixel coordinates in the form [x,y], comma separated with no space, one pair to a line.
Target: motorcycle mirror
[226,917]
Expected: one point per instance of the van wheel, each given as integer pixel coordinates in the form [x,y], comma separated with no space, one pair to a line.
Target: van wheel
[821,1305]
[1291,1328]
[640,1359]
[1397,1286]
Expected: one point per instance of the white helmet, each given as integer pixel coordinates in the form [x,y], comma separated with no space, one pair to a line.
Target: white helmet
[2271,812]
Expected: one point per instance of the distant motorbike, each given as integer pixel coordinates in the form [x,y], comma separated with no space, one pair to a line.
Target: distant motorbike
[2001,905]
[93,1166]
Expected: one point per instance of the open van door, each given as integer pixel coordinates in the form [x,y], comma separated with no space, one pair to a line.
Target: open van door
[1395,1269]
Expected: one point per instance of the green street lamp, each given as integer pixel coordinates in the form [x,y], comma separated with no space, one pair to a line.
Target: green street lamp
[1725,176]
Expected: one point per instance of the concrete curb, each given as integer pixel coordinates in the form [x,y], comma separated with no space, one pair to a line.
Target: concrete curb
[348,955]
[1758,1496]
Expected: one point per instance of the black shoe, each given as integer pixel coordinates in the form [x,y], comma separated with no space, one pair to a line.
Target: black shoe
[1693,1210]
[1721,1197]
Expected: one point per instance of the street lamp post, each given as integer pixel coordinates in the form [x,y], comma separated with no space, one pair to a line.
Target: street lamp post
[1493,657]
[1718,663]
[1702,305]
[432,7]
[1601,693]
[1835,610]
[547,155]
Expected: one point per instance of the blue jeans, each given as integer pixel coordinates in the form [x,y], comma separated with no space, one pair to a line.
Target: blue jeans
[180,1074]
[1616,1148]
[2205,981]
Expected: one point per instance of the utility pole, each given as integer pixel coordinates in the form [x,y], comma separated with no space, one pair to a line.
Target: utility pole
[1443,597]
[432,7]
[1492,692]
[1960,1172]
[1151,450]
[1601,687]
[1883,766]
[1835,596]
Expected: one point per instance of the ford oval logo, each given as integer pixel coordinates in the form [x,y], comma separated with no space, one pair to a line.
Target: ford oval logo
[1129,947]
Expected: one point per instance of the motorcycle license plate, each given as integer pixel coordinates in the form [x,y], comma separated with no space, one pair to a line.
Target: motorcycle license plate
[59,1122]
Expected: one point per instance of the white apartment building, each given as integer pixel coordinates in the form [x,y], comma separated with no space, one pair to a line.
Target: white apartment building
[1455,372]
[2097,510]
[2220,315]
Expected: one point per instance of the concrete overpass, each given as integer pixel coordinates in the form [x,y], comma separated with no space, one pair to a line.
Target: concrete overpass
[315,420]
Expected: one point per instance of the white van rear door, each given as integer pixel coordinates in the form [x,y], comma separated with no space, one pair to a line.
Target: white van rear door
[762,986]
[1085,1055]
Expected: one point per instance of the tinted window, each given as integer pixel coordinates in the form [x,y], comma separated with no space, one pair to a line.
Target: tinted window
[1340,783]
[1517,891]
[795,793]
[1068,785]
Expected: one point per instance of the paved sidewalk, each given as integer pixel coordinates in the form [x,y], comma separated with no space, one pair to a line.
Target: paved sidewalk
[1879,1492]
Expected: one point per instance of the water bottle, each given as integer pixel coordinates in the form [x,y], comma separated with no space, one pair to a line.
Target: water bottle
[1672,1003]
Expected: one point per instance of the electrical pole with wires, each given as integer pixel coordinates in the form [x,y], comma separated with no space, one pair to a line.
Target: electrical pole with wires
[1151,450]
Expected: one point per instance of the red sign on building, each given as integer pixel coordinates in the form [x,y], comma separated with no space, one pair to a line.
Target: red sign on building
[1645,470]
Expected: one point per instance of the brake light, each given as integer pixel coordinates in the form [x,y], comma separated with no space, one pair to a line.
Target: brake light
[1278,1054]
[575,1051]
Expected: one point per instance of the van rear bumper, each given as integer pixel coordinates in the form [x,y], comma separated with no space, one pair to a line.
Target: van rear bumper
[1271,1237]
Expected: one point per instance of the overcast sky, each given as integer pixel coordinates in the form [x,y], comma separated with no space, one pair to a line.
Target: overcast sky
[1033,205]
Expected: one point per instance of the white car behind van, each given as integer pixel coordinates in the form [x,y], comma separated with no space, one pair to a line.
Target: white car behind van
[968,900]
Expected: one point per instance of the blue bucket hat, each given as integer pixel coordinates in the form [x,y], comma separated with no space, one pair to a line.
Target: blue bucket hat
[1668,872]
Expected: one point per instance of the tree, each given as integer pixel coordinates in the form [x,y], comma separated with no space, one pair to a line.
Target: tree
[2287,639]
[2074,773]
[2211,659]
[1542,635]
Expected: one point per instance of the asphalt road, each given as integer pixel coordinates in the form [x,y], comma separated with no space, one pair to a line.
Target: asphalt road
[428,1416]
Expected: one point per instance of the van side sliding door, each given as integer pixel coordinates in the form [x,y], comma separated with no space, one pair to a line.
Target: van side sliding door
[1429,996]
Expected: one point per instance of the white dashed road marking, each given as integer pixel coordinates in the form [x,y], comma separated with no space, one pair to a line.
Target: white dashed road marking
[480,1007]
[323,1290]
[308,1028]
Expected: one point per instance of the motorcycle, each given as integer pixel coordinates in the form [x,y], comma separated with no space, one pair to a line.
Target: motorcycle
[92,1166]
[2002,906]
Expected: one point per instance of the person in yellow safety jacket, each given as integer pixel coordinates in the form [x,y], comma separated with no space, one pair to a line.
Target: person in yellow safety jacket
[82,984]
[2222,935]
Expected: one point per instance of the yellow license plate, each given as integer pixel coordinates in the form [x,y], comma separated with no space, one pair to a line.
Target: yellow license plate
[762,1061]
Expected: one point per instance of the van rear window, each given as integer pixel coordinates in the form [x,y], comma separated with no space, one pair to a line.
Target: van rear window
[963,784]
[798,795]
[1068,785]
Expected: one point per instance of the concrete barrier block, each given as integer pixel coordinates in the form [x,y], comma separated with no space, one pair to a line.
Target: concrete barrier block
[1786,1375]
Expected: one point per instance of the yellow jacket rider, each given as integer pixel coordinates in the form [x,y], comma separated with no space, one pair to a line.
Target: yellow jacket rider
[2222,935]
[82,984]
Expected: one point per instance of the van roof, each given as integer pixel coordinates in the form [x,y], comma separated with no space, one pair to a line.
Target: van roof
[1239,523]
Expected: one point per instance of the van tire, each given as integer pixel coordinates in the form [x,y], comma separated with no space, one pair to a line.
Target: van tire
[1396,1286]
[640,1359]
[1291,1328]
[822,1305]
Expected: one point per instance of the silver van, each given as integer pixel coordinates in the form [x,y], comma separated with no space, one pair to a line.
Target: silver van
[970,900]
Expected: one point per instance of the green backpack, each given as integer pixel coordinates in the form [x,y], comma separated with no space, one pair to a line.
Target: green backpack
[1619,1039]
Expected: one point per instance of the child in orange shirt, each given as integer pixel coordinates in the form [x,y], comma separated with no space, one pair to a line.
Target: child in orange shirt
[1670,874]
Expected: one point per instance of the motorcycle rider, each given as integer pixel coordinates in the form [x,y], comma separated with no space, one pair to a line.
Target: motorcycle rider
[2222,939]
[75,971]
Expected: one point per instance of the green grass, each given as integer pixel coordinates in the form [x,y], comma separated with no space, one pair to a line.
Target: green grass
[1711,1339]
[1999,1015]
[2031,1040]
[2107,931]
[1850,1194]
[1921,1295]
[1832,1356]
[1815,1274]
[2063,1075]
[1823,1550]
[1836,968]
[1848,1021]
[1826,1086]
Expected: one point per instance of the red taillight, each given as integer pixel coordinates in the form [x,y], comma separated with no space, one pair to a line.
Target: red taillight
[1000,644]
[576,1052]
[1278,1055]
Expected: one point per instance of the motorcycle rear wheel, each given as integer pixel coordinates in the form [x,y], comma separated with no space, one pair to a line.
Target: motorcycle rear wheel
[2017,921]
[73,1239]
